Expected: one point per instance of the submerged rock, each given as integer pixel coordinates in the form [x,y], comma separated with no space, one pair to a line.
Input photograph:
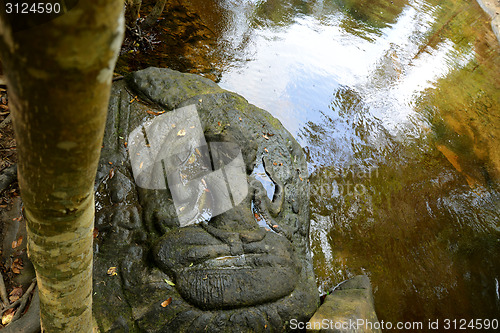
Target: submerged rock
[188,239]
[349,309]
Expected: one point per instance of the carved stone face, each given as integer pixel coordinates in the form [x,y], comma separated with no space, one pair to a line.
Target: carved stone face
[247,268]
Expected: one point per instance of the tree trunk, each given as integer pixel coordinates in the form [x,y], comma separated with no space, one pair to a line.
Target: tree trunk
[155,14]
[132,12]
[59,76]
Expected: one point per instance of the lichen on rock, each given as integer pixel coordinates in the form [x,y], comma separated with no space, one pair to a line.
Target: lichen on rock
[246,269]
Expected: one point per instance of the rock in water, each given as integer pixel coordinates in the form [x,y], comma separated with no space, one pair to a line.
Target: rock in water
[195,241]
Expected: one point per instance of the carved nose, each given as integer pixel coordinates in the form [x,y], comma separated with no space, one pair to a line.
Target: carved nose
[235,240]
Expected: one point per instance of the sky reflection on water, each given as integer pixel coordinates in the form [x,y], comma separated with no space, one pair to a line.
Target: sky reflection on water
[388,199]
[396,104]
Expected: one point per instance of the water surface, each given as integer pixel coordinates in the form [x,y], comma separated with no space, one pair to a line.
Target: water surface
[396,104]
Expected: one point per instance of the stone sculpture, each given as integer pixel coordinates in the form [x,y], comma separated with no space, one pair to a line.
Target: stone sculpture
[247,269]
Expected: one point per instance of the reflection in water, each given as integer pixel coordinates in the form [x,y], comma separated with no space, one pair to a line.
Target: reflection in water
[397,106]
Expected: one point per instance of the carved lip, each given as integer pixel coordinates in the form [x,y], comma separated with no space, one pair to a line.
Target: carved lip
[227,287]
[209,277]
[243,261]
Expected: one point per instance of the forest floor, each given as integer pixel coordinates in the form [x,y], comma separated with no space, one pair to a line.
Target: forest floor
[16,272]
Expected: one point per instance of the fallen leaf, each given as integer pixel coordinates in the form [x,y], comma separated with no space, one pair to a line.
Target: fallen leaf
[275,226]
[182,132]
[267,229]
[270,134]
[170,283]
[95,233]
[17,242]
[167,302]
[218,123]
[111,173]
[12,299]
[17,291]
[112,271]
[265,136]
[140,165]
[198,151]
[16,266]
[7,316]
[265,149]
[15,294]
[192,159]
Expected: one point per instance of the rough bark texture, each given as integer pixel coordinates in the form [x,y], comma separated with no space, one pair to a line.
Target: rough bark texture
[59,75]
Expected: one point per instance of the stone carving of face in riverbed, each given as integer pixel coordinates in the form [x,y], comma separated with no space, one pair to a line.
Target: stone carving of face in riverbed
[205,235]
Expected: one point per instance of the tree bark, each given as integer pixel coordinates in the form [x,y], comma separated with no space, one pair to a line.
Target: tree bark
[132,12]
[59,77]
[154,14]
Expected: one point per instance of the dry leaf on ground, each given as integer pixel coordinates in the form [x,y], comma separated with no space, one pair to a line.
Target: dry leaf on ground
[112,271]
[167,302]
[17,242]
[7,316]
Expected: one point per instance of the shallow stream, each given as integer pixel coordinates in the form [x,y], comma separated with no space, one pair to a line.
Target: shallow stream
[397,106]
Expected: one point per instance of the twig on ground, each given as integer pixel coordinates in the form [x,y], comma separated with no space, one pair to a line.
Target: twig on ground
[23,299]
[5,121]
[3,291]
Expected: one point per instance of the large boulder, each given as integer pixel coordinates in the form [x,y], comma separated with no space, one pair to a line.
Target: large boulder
[170,254]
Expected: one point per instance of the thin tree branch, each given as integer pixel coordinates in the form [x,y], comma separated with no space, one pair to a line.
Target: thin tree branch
[155,13]
[23,301]
[25,296]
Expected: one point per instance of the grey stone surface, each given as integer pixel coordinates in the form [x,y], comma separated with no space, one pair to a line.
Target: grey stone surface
[349,309]
[246,270]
